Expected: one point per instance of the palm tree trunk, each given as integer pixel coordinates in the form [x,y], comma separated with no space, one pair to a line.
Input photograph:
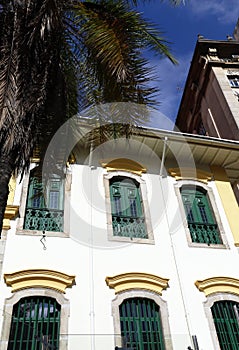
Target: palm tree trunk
[6,170]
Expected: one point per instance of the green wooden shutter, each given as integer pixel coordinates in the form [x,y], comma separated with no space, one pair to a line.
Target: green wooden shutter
[140,322]
[35,324]
[126,205]
[200,217]
[226,320]
[45,204]
[35,198]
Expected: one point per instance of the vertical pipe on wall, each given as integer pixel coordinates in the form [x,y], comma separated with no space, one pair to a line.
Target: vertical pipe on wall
[172,245]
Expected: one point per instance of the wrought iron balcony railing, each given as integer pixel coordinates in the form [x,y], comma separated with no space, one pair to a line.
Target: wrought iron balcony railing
[44,219]
[133,227]
[204,233]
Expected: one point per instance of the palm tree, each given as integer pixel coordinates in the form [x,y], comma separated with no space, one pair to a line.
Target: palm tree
[57,55]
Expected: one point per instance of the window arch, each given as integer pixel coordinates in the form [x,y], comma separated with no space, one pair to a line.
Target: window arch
[54,319]
[140,324]
[200,217]
[127,208]
[222,310]
[141,321]
[45,203]
[198,208]
[226,320]
[35,324]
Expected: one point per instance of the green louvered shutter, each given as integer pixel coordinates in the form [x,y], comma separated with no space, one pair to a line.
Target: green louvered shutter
[127,210]
[44,209]
[226,320]
[35,324]
[201,221]
[141,327]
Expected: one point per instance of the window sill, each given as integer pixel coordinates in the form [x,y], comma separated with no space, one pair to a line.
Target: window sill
[205,245]
[39,233]
[131,240]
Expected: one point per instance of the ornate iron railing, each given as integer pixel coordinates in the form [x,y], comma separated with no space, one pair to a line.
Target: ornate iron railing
[129,227]
[204,233]
[44,219]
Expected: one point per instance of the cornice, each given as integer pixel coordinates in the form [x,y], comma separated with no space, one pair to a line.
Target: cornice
[137,280]
[124,164]
[190,174]
[39,278]
[218,285]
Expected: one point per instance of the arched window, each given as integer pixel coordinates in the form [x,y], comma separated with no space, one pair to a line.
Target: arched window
[226,319]
[140,324]
[200,217]
[35,324]
[128,218]
[45,201]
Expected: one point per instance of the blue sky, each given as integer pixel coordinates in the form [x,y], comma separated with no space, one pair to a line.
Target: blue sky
[214,19]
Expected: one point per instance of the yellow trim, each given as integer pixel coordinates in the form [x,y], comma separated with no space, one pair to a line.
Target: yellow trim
[137,280]
[190,173]
[11,211]
[218,285]
[124,164]
[228,200]
[38,278]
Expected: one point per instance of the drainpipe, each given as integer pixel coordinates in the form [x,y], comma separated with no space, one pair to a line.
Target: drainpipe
[172,246]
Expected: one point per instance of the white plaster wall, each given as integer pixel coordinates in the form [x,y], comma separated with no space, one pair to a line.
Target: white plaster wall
[91,257]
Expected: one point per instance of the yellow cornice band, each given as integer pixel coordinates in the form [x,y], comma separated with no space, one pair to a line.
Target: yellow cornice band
[39,278]
[218,285]
[124,164]
[137,280]
[191,174]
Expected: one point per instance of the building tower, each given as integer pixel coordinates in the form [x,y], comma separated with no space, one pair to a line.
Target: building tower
[210,102]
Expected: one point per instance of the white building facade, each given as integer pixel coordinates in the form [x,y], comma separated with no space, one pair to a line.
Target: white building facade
[136,247]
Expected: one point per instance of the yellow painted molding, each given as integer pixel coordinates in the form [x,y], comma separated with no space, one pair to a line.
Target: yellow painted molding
[38,278]
[228,199]
[12,188]
[11,211]
[218,285]
[137,280]
[124,164]
[190,173]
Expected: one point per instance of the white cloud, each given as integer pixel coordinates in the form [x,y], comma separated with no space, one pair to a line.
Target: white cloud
[226,11]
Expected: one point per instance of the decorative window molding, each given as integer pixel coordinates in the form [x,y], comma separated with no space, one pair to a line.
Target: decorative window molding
[23,207]
[213,298]
[190,174]
[44,292]
[39,278]
[196,184]
[35,323]
[144,204]
[137,280]
[124,164]
[218,285]
[144,294]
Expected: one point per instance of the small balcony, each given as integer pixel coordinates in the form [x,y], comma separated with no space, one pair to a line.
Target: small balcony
[44,219]
[204,233]
[133,227]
